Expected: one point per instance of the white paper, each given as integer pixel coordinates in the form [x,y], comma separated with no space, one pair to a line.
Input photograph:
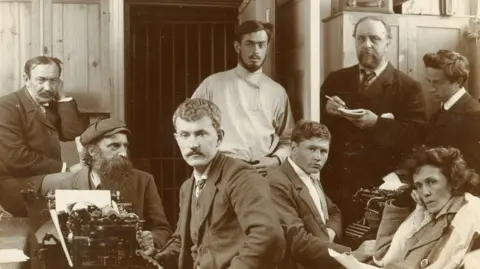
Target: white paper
[472,260]
[80,147]
[65,198]
[12,255]
[352,112]
[348,261]
[59,236]
[391,182]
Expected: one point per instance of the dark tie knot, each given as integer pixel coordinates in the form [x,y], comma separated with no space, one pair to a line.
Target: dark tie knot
[367,75]
[200,183]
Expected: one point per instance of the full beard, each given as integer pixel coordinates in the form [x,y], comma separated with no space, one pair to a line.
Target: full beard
[115,173]
[251,67]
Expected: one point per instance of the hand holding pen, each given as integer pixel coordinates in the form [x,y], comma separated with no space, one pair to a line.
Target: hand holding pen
[333,104]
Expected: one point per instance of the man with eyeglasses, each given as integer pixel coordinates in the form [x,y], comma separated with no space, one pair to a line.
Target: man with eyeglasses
[33,121]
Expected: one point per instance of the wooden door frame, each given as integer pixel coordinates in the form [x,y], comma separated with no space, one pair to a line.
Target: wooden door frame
[119,31]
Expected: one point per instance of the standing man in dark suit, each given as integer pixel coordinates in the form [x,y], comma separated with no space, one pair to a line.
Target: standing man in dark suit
[227,218]
[310,218]
[457,123]
[33,121]
[366,146]
[107,167]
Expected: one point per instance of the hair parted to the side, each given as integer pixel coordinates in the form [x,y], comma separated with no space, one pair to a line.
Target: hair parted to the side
[252,26]
[195,109]
[461,178]
[454,64]
[373,18]
[42,60]
[305,130]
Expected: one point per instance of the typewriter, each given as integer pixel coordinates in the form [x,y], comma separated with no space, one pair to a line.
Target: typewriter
[94,238]
[373,200]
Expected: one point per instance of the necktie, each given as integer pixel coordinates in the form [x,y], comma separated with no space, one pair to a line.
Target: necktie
[367,76]
[321,195]
[199,184]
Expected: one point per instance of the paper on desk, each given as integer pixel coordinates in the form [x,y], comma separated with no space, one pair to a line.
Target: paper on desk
[12,255]
[64,198]
[348,261]
[56,223]
[391,182]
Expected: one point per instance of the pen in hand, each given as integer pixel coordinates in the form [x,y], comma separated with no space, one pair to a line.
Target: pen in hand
[330,98]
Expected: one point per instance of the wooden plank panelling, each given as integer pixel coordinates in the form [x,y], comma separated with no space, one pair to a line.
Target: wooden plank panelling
[15,43]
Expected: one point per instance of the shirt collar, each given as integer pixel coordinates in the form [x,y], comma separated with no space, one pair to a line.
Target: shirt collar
[242,72]
[204,175]
[452,206]
[300,172]
[379,70]
[95,178]
[454,99]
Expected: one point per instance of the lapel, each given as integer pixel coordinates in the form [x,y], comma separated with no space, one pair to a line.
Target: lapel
[210,190]
[81,180]
[381,83]
[303,192]
[442,226]
[185,214]
[32,108]
[442,117]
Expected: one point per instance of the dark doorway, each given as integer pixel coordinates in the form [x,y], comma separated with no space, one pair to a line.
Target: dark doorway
[170,49]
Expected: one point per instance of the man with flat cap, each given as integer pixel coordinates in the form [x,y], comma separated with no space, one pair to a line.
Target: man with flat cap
[107,167]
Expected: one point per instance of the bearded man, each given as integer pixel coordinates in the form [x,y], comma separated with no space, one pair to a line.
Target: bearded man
[366,146]
[107,167]
[256,110]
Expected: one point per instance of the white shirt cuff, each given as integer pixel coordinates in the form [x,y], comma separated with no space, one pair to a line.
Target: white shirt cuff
[64,167]
[66,99]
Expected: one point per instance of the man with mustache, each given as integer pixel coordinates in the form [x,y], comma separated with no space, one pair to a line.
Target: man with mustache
[366,146]
[107,167]
[33,121]
[256,110]
[312,222]
[227,218]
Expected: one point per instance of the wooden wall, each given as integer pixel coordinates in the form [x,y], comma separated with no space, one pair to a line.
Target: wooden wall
[76,32]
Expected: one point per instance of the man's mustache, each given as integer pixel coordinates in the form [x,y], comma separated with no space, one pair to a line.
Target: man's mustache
[194,152]
[254,57]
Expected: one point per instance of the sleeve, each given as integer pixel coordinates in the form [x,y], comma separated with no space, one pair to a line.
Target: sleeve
[392,218]
[265,244]
[72,122]
[406,129]
[16,154]
[302,245]
[155,215]
[335,217]
[285,122]
[202,90]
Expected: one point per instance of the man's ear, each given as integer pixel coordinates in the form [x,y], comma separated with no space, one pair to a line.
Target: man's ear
[236,46]
[220,135]
[26,78]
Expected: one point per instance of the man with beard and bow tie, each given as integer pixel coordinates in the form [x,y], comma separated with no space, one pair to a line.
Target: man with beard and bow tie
[107,167]
[33,121]
[367,145]
[256,110]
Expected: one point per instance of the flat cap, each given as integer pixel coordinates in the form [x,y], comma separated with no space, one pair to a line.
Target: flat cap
[102,128]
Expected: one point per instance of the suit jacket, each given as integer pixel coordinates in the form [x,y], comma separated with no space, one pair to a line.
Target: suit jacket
[29,139]
[141,191]
[360,158]
[239,226]
[306,234]
[458,127]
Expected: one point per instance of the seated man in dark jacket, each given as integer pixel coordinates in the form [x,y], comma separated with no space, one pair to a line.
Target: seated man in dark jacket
[33,121]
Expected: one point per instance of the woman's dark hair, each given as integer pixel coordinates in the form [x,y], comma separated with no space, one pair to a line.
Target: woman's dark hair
[461,178]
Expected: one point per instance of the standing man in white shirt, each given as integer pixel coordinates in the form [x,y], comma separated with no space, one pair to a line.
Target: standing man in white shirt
[256,110]
[457,123]
[312,222]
